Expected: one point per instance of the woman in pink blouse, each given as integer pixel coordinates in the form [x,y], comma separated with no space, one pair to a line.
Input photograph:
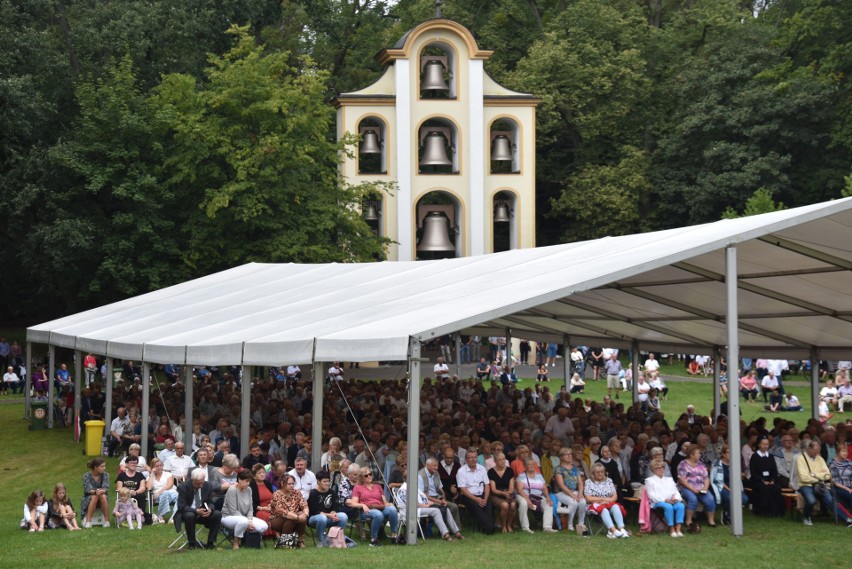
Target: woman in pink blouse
[370,499]
[694,483]
[748,386]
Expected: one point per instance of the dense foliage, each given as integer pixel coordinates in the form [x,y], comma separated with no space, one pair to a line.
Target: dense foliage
[143,143]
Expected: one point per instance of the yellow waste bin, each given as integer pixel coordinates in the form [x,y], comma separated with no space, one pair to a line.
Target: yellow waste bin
[94,434]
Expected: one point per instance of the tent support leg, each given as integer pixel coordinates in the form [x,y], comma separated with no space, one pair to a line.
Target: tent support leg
[413,438]
[732,322]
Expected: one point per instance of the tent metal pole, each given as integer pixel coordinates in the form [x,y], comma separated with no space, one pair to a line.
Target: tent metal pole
[508,361]
[108,380]
[51,370]
[188,405]
[78,380]
[717,372]
[146,405]
[732,323]
[566,362]
[634,351]
[316,422]
[457,342]
[245,408]
[413,440]
[28,383]
[815,383]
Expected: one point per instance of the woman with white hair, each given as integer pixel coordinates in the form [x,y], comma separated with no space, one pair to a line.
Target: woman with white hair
[331,459]
[602,499]
[142,466]
[223,478]
[577,383]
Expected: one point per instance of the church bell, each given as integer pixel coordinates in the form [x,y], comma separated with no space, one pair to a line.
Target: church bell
[435,234]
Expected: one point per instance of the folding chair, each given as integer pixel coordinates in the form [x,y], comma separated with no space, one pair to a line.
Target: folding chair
[396,502]
[594,523]
[355,520]
[182,538]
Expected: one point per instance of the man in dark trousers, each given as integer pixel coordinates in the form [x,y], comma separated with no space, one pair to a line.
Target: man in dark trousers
[195,506]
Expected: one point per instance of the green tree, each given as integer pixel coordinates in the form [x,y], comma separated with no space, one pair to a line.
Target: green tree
[760,202]
[251,145]
[591,74]
[114,232]
[725,127]
[815,38]
[604,199]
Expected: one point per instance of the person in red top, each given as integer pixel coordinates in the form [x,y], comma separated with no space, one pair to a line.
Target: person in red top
[90,364]
[519,464]
[370,499]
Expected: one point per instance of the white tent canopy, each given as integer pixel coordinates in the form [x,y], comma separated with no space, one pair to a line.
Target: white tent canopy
[664,289]
[774,284]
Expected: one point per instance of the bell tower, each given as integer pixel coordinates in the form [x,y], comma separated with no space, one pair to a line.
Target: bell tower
[459,146]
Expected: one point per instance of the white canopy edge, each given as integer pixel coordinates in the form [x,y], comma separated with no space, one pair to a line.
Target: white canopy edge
[269,314]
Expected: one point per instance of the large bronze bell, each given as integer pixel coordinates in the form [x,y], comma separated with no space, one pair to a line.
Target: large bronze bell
[501,148]
[435,234]
[501,212]
[435,149]
[432,77]
[371,213]
[370,143]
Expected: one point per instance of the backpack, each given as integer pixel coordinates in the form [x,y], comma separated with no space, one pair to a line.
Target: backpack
[334,538]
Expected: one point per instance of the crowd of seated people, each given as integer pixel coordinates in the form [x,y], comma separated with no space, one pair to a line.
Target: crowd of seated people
[508,455]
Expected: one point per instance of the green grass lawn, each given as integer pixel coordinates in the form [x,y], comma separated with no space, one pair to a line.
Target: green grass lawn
[40,459]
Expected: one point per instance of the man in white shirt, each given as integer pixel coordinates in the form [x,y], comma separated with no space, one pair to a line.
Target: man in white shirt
[472,481]
[778,367]
[118,429]
[167,452]
[768,384]
[11,381]
[178,464]
[294,373]
[829,393]
[335,372]
[305,479]
[651,364]
[442,371]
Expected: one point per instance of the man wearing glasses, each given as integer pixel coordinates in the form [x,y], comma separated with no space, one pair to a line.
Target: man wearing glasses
[472,481]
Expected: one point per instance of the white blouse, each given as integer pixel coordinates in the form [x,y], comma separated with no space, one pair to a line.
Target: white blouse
[660,489]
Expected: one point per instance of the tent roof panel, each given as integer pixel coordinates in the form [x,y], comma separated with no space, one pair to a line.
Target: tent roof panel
[658,287]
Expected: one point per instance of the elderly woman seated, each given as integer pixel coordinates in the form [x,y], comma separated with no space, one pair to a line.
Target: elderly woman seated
[370,499]
[534,495]
[223,478]
[663,495]
[601,498]
[694,483]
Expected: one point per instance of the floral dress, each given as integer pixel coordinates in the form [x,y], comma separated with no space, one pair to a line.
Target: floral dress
[282,504]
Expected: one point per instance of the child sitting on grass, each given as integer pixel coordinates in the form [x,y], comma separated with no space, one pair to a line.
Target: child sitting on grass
[61,512]
[126,509]
[35,512]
